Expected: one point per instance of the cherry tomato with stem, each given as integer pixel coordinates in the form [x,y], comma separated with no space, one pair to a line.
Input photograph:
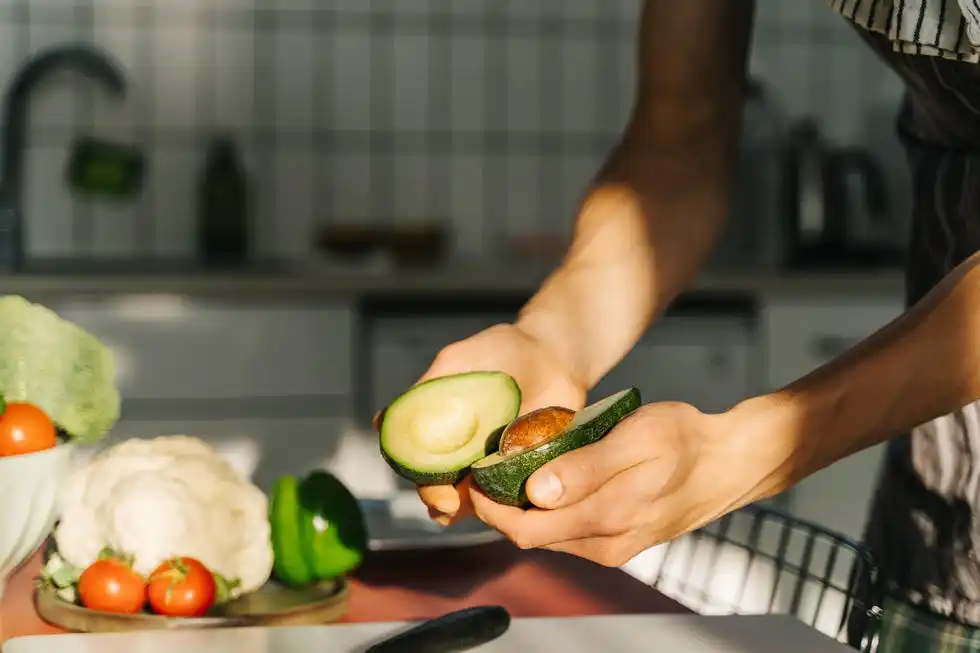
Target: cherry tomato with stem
[111,585]
[182,587]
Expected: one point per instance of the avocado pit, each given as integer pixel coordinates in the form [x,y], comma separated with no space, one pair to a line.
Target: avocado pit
[538,438]
[534,428]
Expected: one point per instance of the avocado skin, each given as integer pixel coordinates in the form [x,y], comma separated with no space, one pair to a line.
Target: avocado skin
[505,482]
[449,477]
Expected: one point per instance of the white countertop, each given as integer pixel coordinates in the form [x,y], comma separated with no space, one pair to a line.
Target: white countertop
[480,278]
[607,634]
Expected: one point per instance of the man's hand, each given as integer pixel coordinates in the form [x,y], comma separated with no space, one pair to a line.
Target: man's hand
[669,469]
[665,470]
[648,220]
[541,376]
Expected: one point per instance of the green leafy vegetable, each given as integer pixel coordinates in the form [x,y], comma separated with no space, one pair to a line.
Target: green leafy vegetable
[57,366]
[226,589]
[60,576]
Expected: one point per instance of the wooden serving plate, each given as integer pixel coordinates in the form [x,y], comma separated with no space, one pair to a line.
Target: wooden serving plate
[272,605]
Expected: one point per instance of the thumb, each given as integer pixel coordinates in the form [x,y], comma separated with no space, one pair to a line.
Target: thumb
[575,475]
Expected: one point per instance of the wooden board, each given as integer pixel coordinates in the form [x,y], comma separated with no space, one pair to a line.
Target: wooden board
[272,605]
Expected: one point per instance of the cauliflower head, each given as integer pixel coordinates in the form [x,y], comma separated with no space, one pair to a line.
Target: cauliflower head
[154,499]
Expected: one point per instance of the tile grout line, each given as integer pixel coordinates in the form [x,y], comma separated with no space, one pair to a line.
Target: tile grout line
[497,146]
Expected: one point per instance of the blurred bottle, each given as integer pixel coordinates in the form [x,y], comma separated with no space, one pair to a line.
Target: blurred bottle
[223,216]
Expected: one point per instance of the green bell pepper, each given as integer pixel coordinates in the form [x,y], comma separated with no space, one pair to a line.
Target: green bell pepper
[318,529]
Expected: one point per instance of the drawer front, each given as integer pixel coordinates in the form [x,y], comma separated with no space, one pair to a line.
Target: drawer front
[711,378]
[801,335]
[839,496]
[396,366]
[174,348]
[707,362]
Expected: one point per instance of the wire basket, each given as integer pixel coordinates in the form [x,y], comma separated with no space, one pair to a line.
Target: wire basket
[759,560]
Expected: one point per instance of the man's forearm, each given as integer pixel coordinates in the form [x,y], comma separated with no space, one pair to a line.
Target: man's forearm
[642,233]
[657,206]
[921,366]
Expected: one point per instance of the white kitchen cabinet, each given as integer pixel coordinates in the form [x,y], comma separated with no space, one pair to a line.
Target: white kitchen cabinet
[801,334]
[174,347]
[707,361]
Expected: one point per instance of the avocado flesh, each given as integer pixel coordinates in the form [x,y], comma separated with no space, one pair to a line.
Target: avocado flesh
[432,433]
[503,477]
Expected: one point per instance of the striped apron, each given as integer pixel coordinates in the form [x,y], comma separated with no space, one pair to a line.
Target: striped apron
[924,525]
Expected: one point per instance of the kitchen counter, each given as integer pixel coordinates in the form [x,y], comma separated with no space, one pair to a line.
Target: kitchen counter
[407,586]
[499,279]
[608,633]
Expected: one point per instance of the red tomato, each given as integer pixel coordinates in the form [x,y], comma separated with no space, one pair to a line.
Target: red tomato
[182,587]
[112,586]
[25,428]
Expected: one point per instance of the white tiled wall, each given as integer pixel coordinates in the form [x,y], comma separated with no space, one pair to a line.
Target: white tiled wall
[276,76]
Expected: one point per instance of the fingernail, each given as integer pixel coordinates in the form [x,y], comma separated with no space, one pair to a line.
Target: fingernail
[446,507]
[547,488]
[439,517]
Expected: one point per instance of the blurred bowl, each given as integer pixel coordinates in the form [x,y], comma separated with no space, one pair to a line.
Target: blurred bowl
[537,247]
[350,242]
[29,501]
[419,246]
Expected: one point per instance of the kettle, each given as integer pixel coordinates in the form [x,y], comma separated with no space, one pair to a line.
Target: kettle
[751,239]
[820,202]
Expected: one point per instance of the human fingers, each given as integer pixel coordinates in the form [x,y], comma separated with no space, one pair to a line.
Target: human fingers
[447,503]
[573,476]
[612,510]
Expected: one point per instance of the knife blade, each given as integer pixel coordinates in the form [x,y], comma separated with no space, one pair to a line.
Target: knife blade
[455,632]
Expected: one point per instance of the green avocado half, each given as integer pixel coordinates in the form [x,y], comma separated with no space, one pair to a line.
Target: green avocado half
[503,477]
[432,433]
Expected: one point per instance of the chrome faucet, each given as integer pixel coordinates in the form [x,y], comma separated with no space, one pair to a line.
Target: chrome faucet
[85,59]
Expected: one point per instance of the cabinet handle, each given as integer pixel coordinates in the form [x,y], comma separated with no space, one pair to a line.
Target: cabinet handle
[831,346]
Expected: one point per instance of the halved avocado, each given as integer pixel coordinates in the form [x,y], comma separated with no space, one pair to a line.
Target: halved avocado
[431,434]
[503,476]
